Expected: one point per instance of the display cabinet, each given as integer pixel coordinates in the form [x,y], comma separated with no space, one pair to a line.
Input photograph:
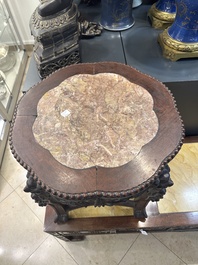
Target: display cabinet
[13,59]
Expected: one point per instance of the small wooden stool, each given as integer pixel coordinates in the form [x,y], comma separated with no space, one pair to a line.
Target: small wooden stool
[105,171]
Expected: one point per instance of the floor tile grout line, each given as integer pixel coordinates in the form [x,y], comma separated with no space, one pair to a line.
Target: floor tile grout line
[1,175]
[14,188]
[14,191]
[169,249]
[42,222]
[7,196]
[36,249]
[129,249]
[25,171]
[66,251]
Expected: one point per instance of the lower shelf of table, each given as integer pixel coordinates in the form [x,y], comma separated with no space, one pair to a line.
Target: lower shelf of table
[78,228]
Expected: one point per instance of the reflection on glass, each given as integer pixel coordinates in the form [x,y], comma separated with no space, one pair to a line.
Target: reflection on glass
[3,89]
[2,127]
[7,58]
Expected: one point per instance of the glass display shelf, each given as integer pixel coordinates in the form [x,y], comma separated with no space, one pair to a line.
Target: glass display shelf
[13,59]
[4,17]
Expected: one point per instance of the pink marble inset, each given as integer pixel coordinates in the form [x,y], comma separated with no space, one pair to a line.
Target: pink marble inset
[91,120]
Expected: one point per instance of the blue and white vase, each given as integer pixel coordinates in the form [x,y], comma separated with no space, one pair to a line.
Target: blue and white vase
[116,15]
[185,26]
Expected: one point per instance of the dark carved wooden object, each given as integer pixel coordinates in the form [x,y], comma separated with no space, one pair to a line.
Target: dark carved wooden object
[55,28]
[49,8]
[145,178]
[138,201]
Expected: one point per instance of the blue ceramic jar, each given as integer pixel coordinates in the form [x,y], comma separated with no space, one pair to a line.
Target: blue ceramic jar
[116,15]
[162,14]
[167,6]
[185,26]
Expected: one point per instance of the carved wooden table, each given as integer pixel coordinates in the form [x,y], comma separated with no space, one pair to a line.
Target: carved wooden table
[96,134]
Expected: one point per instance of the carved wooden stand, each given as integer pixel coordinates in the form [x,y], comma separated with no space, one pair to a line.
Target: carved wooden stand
[138,201]
[144,179]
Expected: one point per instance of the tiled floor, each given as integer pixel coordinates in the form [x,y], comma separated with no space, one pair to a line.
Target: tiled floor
[22,240]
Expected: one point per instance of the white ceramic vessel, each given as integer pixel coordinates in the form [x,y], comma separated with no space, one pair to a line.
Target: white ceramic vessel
[136,3]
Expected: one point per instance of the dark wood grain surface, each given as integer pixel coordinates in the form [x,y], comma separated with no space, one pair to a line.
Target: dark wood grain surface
[181,221]
[144,167]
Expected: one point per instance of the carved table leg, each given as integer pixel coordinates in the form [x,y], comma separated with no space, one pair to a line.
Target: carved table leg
[62,215]
[158,189]
[153,193]
[140,206]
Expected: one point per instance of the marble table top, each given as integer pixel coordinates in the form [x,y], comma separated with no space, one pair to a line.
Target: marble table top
[95,120]
[101,128]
